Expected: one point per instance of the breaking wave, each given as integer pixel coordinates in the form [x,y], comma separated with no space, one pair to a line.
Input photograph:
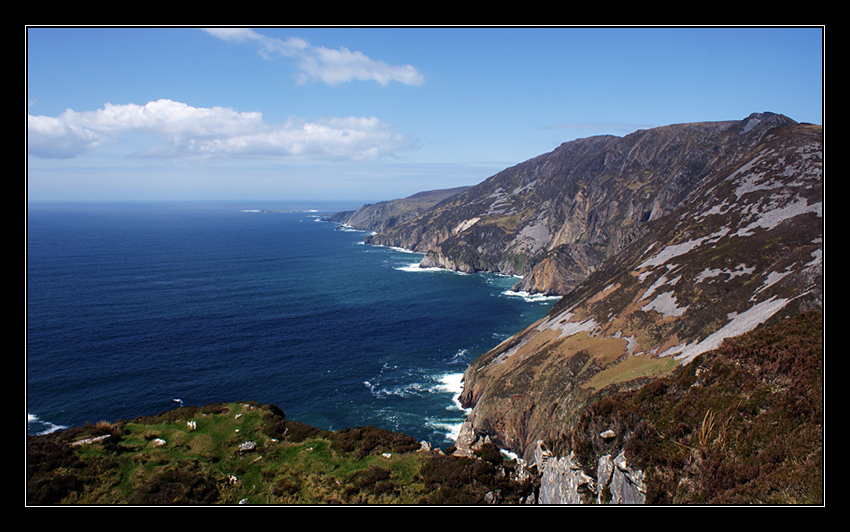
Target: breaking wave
[531,298]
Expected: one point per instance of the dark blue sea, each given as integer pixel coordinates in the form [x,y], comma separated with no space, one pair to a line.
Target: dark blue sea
[134,309]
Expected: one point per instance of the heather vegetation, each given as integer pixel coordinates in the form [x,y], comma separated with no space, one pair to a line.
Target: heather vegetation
[740,425]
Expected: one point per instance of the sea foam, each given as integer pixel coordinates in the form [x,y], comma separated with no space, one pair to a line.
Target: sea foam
[40,426]
[531,298]
[452,383]
[414,267]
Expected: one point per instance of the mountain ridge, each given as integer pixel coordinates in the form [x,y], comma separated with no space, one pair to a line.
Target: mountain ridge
[709,270]
[554,218]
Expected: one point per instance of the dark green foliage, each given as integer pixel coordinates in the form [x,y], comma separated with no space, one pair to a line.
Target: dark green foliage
[51,490]
[457,480]
[451,480]
[297,432]
[490,453]
[176,486]
[285,485]
[44,457]
[274,422]
[373,481]
[55,471]
[364,441]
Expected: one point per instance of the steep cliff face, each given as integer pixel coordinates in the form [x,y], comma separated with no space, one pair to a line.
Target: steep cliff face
[730,239]
[554,219]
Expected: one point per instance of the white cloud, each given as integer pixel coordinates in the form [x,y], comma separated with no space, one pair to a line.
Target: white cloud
[186,131]
[318,63]
[55,138]
[266,46]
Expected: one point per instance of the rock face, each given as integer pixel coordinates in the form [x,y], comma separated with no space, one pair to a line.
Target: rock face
[565,482]
[741,424]
[732,238]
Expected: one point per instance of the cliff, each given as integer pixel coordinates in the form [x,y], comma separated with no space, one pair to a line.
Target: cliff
[556,218]
[662,243]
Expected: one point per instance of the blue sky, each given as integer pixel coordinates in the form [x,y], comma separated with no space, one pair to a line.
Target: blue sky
[356,115]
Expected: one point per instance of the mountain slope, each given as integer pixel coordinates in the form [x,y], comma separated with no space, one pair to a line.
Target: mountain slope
[742,424]
[743,247]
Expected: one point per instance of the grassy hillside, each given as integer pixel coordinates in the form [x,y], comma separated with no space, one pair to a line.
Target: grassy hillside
[246,453]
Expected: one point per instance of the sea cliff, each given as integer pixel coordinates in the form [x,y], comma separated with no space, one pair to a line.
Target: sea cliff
[662,243]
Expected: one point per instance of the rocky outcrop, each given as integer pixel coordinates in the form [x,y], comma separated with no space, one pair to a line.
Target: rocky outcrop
[564,479]
[613,481]
[741,424]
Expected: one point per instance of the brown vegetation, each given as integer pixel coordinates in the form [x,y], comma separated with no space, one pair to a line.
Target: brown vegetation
[740,425]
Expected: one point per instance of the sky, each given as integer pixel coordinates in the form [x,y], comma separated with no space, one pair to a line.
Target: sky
[356,115]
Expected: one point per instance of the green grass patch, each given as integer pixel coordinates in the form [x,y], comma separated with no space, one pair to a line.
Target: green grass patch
[235,453]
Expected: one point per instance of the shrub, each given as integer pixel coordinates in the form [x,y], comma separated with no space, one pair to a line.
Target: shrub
[364,441]
[176,486]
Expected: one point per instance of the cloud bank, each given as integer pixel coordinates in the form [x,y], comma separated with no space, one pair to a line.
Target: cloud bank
[186,131]
[319,63]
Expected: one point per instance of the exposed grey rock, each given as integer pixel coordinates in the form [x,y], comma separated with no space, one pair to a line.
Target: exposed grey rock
[563,481]
[86,441]
[627,484]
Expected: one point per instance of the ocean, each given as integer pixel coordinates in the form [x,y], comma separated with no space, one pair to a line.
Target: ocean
[136,308]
